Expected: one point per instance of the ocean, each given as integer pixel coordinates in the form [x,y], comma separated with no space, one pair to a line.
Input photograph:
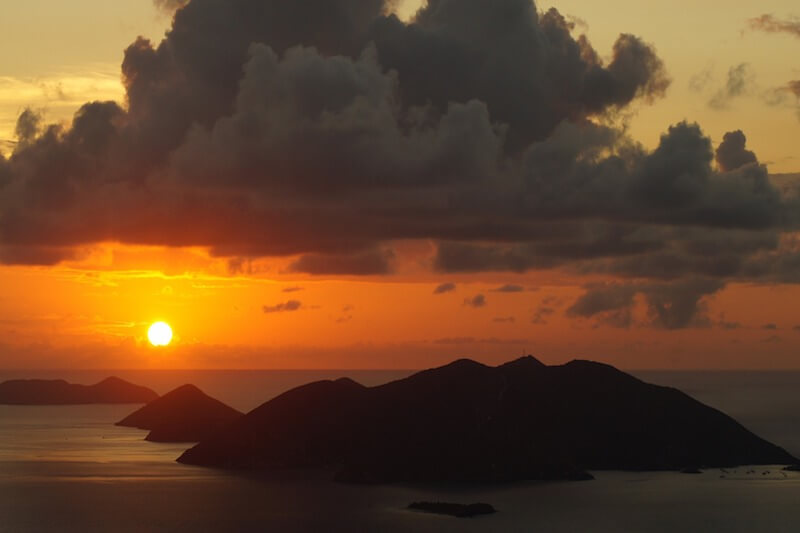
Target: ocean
[69,469]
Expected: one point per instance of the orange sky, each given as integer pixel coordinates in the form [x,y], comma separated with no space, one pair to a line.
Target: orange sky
[96,314]
[93,310]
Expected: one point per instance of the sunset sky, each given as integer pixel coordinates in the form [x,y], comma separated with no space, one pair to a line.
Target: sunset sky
[337,185]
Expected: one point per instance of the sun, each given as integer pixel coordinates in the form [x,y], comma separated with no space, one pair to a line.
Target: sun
[159,334]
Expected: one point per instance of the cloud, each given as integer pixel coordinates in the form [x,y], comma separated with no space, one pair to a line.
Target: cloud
[509,288]
[35,255]
[787,96]
[292,289]
[671,306]
[542,314]
[740,80]
[444,288]
[504,320]
[170,6]
[325,131]
[370,262]
[347,314]
[793,87]
[479,300]
[680,305]
[452,37]
[699,81]
[284,307]
[474,340]
[772,24]
[729,325]
[28,126]
[612,304]
[770,326]
[293,104]
[731,153]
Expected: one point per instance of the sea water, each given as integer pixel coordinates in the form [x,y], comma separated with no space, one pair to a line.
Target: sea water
[68,468]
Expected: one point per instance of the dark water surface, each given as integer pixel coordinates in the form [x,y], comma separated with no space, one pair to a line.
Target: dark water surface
[70,469]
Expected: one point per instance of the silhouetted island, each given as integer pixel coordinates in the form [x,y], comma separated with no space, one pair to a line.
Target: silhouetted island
[470,422]
[186,414]
[458,510]
[59,392]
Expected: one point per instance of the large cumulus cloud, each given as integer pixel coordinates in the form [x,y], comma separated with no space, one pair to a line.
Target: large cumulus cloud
[327,129]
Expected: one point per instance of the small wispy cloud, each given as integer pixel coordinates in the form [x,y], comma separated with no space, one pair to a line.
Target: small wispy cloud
[293,289]
[477,340]
[479,300]
[740,81]
[444,287]
[509,288]
[771,24]
[291,305]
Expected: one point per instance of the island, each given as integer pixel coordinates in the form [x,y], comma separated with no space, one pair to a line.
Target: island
[185,414]
[458,510]
[469,422]
[59,392]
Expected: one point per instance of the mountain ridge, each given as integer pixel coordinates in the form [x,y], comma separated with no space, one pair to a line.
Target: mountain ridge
[185,414]
[111,390]
[466,421]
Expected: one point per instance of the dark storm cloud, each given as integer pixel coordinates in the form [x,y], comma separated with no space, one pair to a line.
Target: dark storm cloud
[739,81]
[5,171]
[35,255]
[444,288]
[674,184]
[325,130]
[731,153]
[526,66]
[772,24]
[366,263]
[28,125]
[284,307]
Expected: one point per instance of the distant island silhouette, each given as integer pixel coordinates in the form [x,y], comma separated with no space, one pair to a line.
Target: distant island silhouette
[185,414]
[458,510]
[60,392]
[469,422]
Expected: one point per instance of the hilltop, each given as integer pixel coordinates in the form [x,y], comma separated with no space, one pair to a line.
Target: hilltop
[470,422]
